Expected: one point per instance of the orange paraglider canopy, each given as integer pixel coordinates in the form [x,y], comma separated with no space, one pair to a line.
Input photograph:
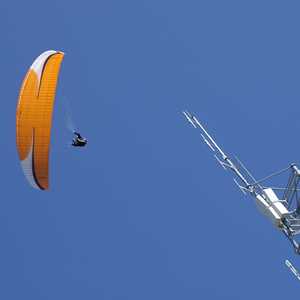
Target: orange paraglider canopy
[34,117]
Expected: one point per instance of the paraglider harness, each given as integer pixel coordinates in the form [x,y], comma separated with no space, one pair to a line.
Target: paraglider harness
[78,140]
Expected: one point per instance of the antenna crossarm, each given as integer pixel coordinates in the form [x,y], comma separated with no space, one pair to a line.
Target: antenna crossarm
[237,172]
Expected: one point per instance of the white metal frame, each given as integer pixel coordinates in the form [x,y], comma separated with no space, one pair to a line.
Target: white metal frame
[284,213]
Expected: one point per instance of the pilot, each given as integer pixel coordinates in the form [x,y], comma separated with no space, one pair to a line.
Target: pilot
[78,140]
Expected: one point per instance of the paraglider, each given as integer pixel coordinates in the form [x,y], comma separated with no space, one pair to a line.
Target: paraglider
[34,117]
[78,140]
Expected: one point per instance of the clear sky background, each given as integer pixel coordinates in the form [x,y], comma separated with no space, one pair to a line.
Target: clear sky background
[144,212]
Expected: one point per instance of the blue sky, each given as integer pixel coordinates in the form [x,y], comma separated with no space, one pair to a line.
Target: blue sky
[144,212]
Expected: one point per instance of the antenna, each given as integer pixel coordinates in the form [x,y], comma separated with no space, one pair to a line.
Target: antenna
[292,269]
[223,159]
[278,211]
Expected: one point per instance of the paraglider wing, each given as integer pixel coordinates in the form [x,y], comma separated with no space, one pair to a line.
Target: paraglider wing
[34,117]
